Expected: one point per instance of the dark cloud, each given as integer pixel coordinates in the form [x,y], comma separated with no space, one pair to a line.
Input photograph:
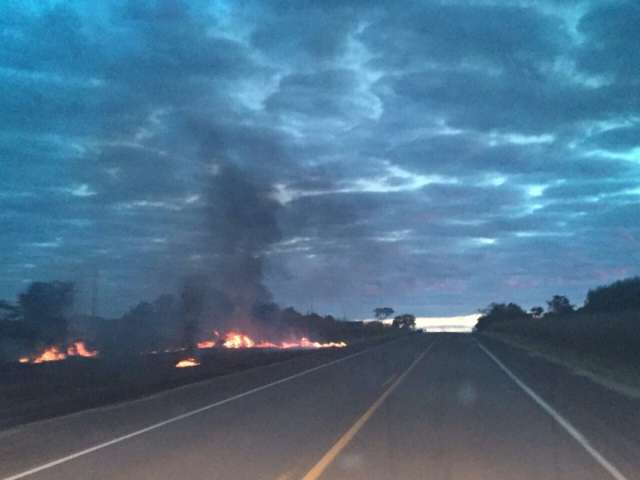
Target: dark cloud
[303,33]
[435,156]
[510,102]
[319,95]
[498,36]
[611,39]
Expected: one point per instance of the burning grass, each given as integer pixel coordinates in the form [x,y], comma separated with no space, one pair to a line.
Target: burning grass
[237,340]
[188,362]
[55,354]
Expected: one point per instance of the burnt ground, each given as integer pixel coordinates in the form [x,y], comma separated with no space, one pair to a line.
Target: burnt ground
[35,392]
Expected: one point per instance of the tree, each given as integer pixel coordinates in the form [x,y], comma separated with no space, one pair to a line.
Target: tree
[559,305]
[499,313]
[405,320]
[44,307]
[536,312]
[382,313]
[618,296]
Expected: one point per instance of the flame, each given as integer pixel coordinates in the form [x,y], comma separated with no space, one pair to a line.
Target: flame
[54,354]
[80,349]
[304,342]
[50,354]
[238,340]
[188,362]
[235,340]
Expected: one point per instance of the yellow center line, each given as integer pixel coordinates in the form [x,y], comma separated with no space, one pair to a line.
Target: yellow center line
[344,440]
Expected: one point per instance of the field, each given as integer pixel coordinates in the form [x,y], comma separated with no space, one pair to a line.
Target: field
[32,392]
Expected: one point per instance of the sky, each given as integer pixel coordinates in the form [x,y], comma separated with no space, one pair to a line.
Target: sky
[431,156]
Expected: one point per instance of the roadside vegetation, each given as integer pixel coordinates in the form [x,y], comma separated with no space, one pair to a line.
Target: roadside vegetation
[137,353]
[601,337]
[44,316]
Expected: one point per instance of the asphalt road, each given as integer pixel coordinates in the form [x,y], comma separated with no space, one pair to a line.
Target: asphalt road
[433,406]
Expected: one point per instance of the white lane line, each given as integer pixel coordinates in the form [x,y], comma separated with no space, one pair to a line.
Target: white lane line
[177,418]
[563,422]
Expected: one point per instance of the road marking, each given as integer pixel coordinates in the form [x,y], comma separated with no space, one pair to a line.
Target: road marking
[328,458]
[177,418]
[563,422]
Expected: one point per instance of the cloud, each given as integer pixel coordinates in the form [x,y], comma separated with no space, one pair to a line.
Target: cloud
[434,157]
[610,43]
[481,35]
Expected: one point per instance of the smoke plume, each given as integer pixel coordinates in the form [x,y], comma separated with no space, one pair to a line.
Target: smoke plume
[240,216]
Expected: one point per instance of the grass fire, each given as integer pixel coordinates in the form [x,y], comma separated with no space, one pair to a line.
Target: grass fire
[55,354]
[237,340]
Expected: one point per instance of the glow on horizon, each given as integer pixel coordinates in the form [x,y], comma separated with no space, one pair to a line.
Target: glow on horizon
[459,323]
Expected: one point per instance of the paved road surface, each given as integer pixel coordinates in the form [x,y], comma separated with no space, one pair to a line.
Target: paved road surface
[425,407]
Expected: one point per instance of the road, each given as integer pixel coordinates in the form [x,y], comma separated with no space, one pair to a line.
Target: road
[437,406]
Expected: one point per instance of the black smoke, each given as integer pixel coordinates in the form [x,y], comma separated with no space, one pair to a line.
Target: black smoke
[240,216]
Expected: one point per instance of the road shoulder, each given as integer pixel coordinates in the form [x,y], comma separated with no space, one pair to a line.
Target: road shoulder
[615,378]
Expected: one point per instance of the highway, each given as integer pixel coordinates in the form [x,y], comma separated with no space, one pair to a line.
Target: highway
[435,406]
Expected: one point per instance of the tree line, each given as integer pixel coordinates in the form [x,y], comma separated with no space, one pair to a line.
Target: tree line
[605,326]
[619,296]
[406,320]
[43,315]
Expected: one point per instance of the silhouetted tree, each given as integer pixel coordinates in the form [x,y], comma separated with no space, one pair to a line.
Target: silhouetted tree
[559,305]
[618,296]
[45,306]
[499,313]
[382,313]
[536,312]
[405,320]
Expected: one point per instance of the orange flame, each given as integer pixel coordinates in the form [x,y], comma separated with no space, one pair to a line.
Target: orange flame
[238,340]
[207,344]
[304,342]
[54,354]
[80,349]
[50,354]
[235,340]
[188,362]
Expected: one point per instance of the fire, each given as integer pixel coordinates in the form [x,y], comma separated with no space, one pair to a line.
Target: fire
[236,340]
[50,354]
[306,343]
[80,349]
[55,354]
[188,362]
